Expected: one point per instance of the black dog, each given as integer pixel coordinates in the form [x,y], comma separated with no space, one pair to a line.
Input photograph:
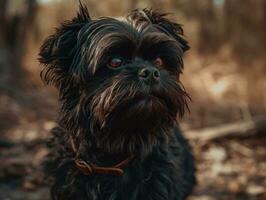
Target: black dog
[119,88]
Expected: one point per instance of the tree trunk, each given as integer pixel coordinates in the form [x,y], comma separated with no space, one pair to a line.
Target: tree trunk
[245,28]
[14,32]
[208,29]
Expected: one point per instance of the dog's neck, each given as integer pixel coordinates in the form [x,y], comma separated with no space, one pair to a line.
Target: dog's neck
[82,148]
[91,168]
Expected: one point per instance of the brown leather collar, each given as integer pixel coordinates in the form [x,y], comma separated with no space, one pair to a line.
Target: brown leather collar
[89,169]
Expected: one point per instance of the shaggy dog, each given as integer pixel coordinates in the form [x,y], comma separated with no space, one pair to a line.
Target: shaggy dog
[118,80]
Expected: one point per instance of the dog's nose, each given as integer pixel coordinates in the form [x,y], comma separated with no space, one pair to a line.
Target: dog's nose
[149,73]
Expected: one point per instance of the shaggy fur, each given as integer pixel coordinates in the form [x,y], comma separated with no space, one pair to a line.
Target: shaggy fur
[112,113]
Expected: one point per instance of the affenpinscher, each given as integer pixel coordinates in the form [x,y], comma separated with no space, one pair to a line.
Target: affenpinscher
[118,80]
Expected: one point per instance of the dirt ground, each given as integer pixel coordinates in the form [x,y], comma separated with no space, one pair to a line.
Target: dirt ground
[230,169]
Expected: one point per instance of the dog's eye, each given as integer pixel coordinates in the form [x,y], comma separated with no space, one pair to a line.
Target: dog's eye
[158,62]
[115,62]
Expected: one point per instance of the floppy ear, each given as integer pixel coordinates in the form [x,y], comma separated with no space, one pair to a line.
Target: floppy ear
[56,53]
[165,25]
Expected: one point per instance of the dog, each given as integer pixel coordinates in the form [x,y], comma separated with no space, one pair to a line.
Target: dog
[120,94]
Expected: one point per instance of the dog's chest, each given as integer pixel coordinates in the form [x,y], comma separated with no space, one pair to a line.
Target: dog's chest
[138,182]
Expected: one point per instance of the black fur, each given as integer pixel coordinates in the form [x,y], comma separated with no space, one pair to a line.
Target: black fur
[111,113]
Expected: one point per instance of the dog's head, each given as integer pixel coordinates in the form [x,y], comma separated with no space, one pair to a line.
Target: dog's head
[118,79]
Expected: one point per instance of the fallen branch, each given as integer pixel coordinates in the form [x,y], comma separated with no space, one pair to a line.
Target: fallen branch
[239,129]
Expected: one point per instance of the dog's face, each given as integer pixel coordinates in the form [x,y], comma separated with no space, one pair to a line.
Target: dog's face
[118,79]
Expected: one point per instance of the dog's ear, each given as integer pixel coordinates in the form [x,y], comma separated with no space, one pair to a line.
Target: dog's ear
[159,20]
[57,51]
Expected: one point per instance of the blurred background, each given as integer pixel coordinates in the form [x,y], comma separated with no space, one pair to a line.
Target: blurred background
[224,75]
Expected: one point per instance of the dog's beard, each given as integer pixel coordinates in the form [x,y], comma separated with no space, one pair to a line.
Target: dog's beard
[129,116]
